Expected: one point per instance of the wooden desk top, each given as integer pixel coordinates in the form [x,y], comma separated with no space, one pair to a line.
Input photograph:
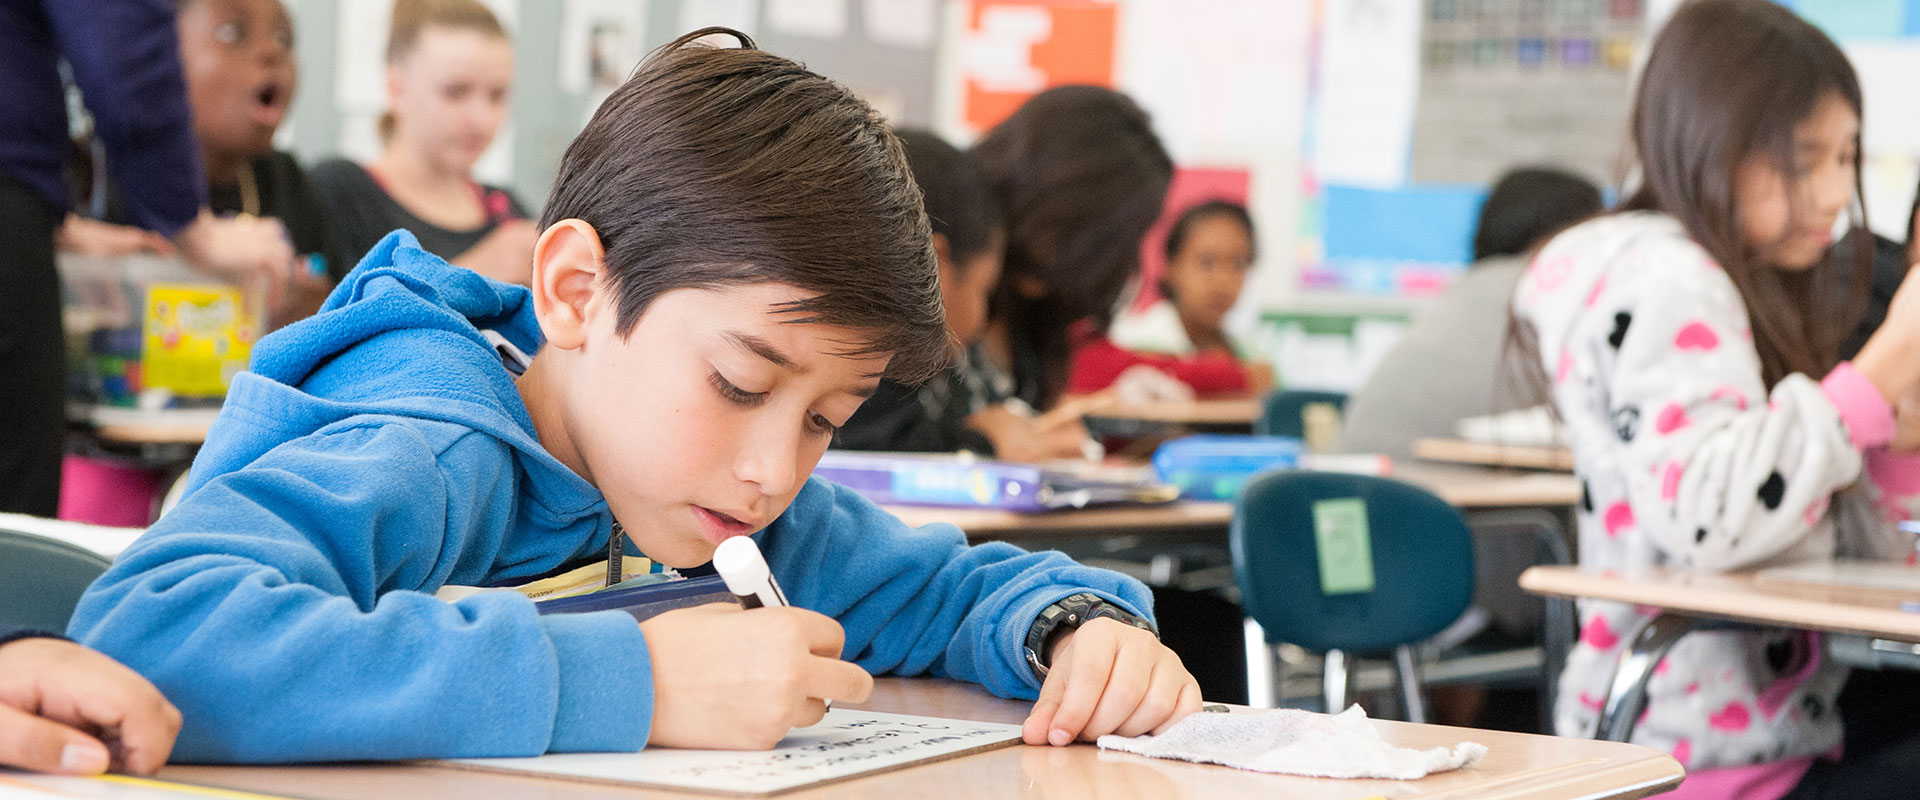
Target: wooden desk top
[1462,451]
[1209,413]
[1517,766]
[1742,596]
[129,426]
[1467,488]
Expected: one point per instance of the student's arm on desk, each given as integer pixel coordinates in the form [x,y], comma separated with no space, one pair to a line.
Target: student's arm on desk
[1722,473]
[276,607]
[920,601]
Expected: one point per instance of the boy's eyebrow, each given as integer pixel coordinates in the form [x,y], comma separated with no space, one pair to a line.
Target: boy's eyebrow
[764,349]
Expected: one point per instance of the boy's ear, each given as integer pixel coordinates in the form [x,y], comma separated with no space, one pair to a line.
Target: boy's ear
[943,250]
[567,264]
[943,258]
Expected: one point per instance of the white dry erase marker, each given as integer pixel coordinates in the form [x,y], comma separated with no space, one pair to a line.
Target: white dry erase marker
[740,564]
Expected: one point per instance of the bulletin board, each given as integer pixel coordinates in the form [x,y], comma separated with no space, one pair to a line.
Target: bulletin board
[1416,106]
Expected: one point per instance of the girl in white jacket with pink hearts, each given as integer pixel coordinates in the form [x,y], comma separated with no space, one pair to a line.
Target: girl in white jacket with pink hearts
[1691,344]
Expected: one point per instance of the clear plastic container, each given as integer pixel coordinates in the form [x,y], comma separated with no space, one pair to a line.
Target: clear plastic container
[150,332]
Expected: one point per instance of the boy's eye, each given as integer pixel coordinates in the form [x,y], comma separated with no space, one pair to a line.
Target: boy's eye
[735,393]
[822,426]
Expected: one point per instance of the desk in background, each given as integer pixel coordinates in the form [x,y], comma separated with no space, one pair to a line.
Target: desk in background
[1871,617]
[167,427]
[1469,489]
[1517,766]
[1494,454]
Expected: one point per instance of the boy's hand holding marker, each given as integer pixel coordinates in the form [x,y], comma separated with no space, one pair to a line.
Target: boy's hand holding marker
[740,678]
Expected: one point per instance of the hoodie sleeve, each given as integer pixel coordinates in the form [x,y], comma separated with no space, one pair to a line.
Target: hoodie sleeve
[283,607]
[921,601]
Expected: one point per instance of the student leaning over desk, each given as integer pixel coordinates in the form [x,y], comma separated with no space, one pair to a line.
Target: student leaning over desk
[734,256]
[1682,335]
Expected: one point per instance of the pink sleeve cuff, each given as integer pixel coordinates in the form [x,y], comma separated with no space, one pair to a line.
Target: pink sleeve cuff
[1867,415]
[1896,474]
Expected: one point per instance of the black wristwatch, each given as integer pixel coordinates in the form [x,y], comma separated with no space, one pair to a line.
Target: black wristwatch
[1068,613]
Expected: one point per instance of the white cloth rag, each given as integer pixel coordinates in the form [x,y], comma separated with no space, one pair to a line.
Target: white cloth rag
[1295,742]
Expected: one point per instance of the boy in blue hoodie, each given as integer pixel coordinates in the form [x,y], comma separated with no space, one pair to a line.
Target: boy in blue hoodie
[734,254]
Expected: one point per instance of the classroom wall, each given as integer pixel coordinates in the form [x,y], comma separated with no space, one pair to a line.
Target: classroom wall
[1229,83]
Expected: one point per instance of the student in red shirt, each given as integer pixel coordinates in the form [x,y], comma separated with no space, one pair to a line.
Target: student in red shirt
[1210,249]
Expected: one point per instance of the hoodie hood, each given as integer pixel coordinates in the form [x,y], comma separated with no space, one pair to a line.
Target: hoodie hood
[399,337]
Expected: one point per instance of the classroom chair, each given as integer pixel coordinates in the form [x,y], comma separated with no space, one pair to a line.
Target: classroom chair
[41,579]
[1348,565]
[1284,410]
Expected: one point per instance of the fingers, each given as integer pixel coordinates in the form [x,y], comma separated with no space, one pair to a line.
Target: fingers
[824,636]
[1093,655]
[1040,722]
[97,693]
[1129,691]
[1188,704]
[833,679]
[1128,688]
[40,745]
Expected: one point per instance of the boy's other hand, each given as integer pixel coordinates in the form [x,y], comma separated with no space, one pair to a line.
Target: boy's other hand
[58,700]
[729,679]
[1110,677]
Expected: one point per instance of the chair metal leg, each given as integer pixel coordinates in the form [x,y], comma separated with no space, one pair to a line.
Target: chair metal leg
[1263,686]
[1410,689]
[1627,693]
[1334,681]
[1557,621]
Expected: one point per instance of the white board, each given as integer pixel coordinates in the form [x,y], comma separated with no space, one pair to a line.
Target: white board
[844,744]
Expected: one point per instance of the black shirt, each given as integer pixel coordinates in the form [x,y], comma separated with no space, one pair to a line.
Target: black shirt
[363,212]
[285,194]
[930,418]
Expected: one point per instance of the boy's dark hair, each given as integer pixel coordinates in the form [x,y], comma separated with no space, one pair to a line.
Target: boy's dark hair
[1530,204]
[960,205]
[715,167]
[1082,177]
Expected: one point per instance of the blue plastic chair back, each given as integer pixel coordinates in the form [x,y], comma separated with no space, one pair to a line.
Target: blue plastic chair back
[1422,559]
[41,580]
[1281,414]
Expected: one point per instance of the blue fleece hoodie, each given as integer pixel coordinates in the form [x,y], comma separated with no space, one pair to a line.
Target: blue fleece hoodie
[378,452]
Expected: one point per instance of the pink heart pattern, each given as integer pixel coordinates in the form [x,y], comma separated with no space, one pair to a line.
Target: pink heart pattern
[1735,717]
[1619,517]
[1696,336]
[1598,634]
[1672,418]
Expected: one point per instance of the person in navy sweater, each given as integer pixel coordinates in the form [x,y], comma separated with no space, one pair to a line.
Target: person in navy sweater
[124,56]
[733,256]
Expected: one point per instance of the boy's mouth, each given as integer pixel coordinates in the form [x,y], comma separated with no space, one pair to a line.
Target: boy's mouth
[718,526]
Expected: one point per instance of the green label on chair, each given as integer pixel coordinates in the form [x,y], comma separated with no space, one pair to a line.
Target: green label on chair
[1346,551]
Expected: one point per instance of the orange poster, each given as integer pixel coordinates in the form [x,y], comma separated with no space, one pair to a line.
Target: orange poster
[1016,48]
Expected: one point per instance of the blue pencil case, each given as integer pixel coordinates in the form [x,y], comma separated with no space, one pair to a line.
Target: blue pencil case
[967,482]
[645,600]
[1214,466]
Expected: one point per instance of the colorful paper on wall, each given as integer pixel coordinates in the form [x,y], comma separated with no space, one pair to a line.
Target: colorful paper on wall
[1012,50]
